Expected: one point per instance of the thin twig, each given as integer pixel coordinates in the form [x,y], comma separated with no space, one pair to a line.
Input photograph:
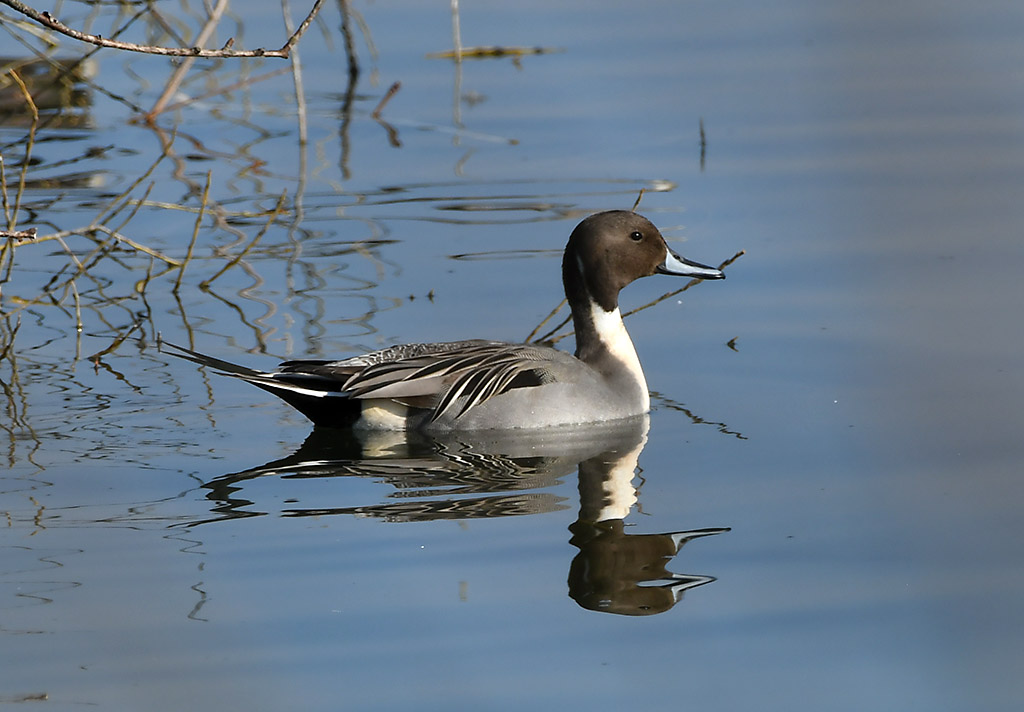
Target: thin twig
[303,135]
[392,90]
[10,342]
[638,199]
[545,320]
[240,84]
[3,194]
[457,83]
[686,286]
[140,286]
[300,93]
[118,340]
[391,130]
[347,14]
[28,147]
[703,145]
[132,244]
[456,31]
[73,286]
[179,73]
[113,208]
[669,295]
[48,20]
[135,209]
[11,215]
[195,232]
[205,284]
[550,338]
[78,308]
[6,246]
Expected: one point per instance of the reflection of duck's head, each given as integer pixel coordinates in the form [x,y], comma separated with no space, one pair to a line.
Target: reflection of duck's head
[609,573]
[611,570]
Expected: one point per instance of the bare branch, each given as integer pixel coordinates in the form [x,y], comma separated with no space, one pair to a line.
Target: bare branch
[47,20]
[29,234]
[392,90]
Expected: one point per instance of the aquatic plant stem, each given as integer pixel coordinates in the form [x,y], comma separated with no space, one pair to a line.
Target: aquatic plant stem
[195,233]
[205,284]
[179,74]
[11,214]
[28,147]
[3,195]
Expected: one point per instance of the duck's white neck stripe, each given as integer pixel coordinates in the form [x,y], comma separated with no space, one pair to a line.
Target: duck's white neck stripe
[612,334]
[617,487]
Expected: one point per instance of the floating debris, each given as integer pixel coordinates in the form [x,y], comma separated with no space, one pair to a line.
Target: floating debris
[493,51]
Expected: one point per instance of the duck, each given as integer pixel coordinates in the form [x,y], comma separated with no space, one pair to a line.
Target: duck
[479,385]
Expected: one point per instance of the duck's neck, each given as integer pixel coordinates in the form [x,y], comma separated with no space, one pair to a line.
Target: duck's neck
[601,338]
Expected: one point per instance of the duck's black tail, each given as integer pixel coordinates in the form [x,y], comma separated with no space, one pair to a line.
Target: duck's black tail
[319,398]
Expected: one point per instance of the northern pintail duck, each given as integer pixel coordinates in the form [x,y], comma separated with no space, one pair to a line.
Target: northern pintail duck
[488,385]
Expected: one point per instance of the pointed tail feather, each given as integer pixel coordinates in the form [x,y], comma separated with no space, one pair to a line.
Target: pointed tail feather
[227,367]
[325,405]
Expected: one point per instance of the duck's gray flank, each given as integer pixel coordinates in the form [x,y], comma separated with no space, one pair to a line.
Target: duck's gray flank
[477,384]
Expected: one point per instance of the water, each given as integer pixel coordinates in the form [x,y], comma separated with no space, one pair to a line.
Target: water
[846,403]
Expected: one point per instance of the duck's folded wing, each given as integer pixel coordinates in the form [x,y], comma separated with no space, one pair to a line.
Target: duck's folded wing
[458,379]
[406,371]
[477,386]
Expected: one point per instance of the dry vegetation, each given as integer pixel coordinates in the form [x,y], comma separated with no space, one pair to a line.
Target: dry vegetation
[39,90]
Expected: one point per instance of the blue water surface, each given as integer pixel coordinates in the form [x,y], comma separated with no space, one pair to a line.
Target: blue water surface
[839,419]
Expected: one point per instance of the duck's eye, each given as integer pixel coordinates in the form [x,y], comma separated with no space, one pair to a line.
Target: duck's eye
[636,236]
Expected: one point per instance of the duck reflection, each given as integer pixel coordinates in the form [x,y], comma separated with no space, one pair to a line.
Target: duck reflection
[616,572]
[500,474]
[59,89]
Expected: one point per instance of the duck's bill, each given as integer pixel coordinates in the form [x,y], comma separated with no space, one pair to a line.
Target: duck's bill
[682,267]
